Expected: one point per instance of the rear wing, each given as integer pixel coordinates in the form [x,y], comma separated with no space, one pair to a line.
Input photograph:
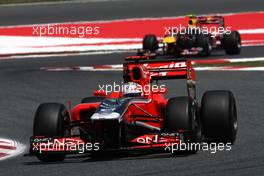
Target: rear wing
[143,71]
[139,69]
[207,20]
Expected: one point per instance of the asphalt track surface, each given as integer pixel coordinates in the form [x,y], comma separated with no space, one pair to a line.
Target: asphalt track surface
[120,9]
[24,86]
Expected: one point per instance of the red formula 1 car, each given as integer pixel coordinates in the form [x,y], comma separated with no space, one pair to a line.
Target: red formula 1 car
[202,35]
[136,117]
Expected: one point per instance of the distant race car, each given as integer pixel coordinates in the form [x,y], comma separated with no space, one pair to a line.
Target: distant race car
[196,39]
[137,117]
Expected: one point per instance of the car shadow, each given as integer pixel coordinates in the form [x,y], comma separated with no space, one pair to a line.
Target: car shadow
[110,156]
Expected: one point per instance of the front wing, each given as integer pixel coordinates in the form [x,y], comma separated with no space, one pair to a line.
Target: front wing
[76,145]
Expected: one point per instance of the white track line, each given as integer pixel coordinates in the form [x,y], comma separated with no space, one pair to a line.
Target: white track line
[229,69]
[18,45]
[31,41]
[19,148]
[251,31]
[62,55]
[119,67]
[253,59]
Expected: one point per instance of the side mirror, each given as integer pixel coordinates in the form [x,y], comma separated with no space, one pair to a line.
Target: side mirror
[99,93]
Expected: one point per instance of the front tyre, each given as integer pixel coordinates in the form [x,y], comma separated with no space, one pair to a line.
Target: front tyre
[181,115]
[219,116]
[51,120]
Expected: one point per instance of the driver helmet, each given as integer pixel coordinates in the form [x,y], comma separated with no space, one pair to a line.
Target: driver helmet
[132,89]
[193,23]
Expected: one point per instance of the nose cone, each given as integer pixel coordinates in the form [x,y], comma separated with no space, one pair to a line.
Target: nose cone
[105,116]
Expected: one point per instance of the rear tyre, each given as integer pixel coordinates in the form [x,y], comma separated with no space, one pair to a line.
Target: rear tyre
[150,43]
[181,114]
[204,42]
[219,116]
[51,120]
[232,43]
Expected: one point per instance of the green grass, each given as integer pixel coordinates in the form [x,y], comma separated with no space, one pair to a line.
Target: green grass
[246,64]
[24,1]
